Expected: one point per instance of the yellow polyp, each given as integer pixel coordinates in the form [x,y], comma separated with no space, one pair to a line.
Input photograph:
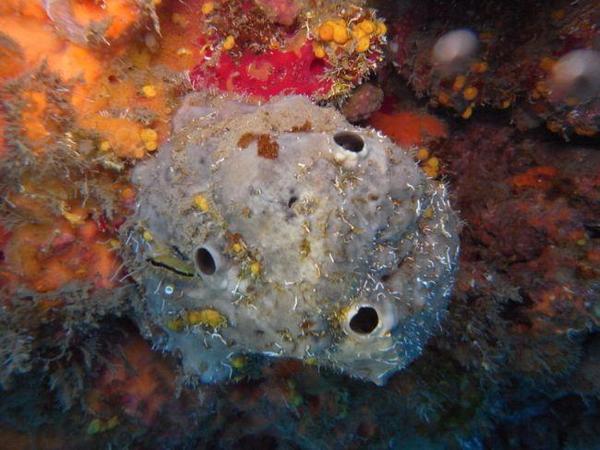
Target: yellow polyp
[325,31]
[470,93]
[431,172]
[114,244]
[207,317]
[182,51]
[433,162]
[363,44]
[443,98]
[319,51]
[148,134]
[312,361]
[149,138]
[208,7]
[547,63]
[368,26]
[340,34]
[358,33]
[176,324]
[128,194]
[459,83]
[479,67]
[381,28]
[467,112]
[201,202]
[239,362]
[229,42]
[105,146]
[422,154]
[149,91]
[428,213]
[73,218]
[147,236]
[255,268]
[237,247]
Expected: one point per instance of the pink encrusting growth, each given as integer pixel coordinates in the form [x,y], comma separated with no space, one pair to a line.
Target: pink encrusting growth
[273,73]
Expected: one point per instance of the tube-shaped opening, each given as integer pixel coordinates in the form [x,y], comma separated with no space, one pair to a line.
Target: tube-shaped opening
[350,141]
[205,262]
[365,320]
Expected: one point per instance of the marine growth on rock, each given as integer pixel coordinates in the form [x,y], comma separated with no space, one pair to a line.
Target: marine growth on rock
[283,230]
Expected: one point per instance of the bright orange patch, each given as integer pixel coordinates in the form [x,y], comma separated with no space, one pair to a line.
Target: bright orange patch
[409,128]
[537,177]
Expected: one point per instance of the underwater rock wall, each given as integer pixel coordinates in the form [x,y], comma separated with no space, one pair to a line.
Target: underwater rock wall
[514,362]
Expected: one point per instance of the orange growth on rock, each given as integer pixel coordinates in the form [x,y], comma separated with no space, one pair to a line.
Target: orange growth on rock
[178,23]
[103,267]
[35,38]
[74,61]
[25,8]
[48,257]
[11,58]
[139,379]
[537,177]
[409,128]
[122,15]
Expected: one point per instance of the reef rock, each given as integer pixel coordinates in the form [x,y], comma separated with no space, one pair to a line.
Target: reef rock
[283,230]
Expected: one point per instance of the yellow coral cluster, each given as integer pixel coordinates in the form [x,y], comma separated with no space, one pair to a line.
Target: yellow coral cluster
[201,202]
[149,138]
[207,317]
[429,164]
[432,167]
[355,37]
[229,42]
[463,86]
[208,7]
